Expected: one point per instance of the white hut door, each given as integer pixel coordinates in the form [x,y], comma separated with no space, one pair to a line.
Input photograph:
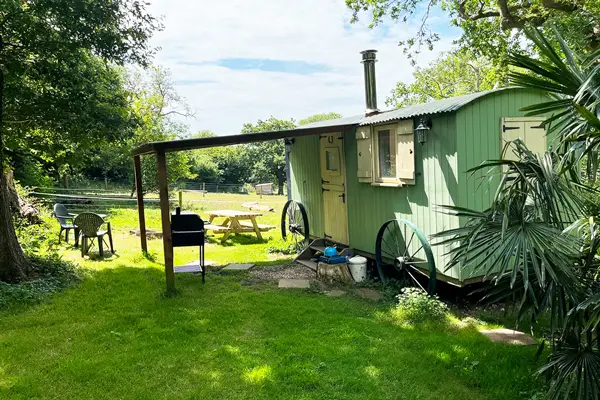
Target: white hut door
[333,184]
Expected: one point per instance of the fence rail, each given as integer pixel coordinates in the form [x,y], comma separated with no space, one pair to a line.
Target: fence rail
[102,200]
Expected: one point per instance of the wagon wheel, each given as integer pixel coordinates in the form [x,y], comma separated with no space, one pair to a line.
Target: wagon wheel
[294,224]
[402,249]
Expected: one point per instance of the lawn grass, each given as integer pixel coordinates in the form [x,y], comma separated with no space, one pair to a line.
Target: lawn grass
[117,336]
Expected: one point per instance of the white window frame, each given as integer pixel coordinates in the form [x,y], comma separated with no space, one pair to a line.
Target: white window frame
[393,150]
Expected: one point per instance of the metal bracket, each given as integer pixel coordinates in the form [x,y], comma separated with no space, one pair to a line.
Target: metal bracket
[509,128]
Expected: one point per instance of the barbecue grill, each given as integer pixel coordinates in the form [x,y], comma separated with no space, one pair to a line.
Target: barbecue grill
[187,229]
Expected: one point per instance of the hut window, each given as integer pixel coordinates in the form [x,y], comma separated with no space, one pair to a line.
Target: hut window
[332,159]
[386,154]
[386,144]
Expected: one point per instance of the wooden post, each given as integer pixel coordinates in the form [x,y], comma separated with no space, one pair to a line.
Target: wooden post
[180,199]
[203,189]
[163,189]
[137,166]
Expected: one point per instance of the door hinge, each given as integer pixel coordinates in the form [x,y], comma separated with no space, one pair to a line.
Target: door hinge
[343,196]
[538,127]
[509,128]
[323,181]
[324,190]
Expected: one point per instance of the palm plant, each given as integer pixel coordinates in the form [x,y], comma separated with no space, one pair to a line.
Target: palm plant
[539,240]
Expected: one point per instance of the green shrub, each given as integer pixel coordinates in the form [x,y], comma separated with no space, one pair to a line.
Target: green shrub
[416,307]
[49,274]
[38,239]
[283,248]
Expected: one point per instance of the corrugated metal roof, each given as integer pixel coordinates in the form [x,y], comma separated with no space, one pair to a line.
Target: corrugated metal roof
[433,107]
[335,122]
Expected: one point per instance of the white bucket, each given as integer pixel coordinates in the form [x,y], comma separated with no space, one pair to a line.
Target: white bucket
[358,268]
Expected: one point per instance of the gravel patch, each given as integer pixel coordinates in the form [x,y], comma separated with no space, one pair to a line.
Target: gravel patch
[276,272]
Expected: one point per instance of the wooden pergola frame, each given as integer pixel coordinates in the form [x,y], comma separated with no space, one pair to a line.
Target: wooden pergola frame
[159,149]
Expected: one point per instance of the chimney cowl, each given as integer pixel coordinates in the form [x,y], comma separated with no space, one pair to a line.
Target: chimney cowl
[369,58]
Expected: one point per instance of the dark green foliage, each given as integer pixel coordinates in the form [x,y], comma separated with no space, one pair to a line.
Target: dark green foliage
[538,242]
[49,274]
[268,157]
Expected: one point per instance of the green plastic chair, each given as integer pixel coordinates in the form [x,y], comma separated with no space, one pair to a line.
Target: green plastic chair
[89,225]
[65,219]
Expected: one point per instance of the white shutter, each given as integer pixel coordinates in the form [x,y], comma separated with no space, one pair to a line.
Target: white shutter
[364,151]
[528,129]
[405,159]
[535,135]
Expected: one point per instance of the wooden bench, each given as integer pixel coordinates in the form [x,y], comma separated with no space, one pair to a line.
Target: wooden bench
[216,228]
[261,227]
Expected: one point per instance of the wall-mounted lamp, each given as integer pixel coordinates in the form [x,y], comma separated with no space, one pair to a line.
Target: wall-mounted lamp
[288,144]
[422,129]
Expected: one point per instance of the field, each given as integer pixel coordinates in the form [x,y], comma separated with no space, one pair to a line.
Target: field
[241,248]
[117,336]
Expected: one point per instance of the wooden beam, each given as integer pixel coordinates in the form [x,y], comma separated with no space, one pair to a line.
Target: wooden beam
[199,143]
[165,213]
[137,166]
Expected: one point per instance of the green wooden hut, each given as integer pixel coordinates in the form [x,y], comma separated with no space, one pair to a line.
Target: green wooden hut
[353,181]
[354,174]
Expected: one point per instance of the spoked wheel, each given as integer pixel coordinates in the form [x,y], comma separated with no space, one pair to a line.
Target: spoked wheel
[402,250]
[294,225]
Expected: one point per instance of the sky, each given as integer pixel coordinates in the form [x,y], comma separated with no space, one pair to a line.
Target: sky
[237,61]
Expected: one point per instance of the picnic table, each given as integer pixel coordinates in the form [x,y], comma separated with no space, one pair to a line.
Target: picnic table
[236,222]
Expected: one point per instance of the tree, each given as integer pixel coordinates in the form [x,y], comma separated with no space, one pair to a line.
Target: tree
[492,28]
[451,74]
[36,38]
[268,157]
[320,117]
[203,163]
[65,114]
[154,102]
[541,230]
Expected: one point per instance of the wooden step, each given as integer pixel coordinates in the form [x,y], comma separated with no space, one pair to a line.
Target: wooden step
[308,263]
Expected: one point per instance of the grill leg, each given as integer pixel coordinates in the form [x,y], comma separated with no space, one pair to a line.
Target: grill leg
[202,262]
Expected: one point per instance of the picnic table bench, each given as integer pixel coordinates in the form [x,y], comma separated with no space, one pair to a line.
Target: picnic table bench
[236,222]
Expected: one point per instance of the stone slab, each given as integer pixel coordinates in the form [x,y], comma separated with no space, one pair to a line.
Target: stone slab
[369,294]
[335,293]
[294,283]
[503,335]
[238,267]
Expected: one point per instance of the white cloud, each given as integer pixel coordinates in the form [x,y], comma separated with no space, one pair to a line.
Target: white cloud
[316,31]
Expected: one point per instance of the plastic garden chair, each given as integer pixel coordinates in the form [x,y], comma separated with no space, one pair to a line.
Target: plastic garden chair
[89,225]
[66,223]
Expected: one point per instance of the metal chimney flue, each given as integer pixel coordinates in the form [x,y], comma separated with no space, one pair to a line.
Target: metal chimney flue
[369,58]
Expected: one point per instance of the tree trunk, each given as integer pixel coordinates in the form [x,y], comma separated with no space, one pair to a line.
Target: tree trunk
[13,264]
